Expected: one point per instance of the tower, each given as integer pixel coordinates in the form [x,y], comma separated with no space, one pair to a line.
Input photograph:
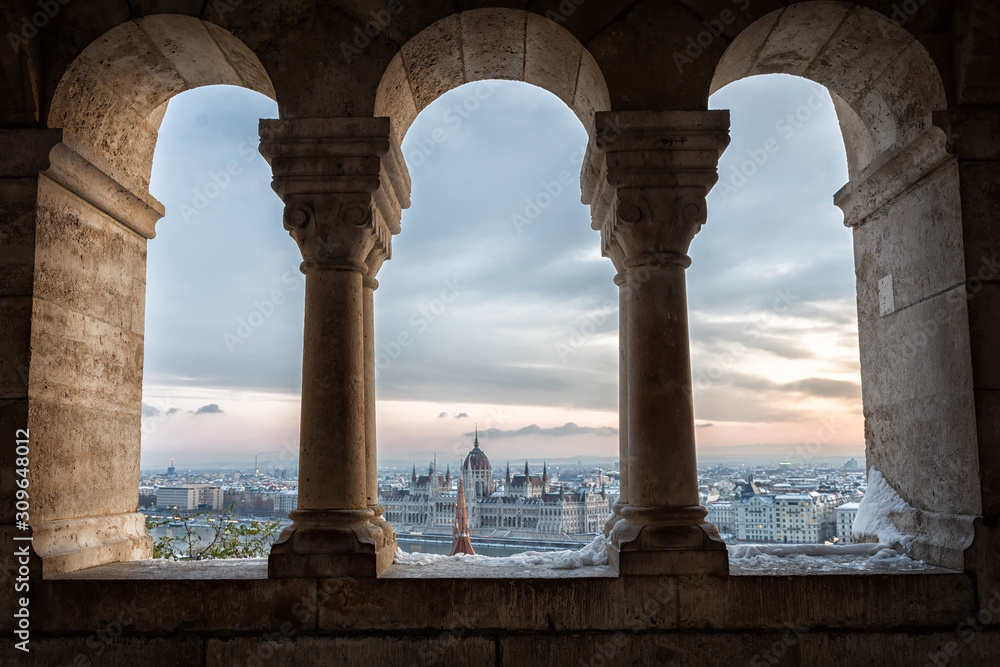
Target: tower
[171,470]
[478,473]
[460,541]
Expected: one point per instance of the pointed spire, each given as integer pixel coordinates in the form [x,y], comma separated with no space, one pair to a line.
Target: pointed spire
[476,444]
[460,541]
[508,473]
[413,477]
[447,474]
[545,476]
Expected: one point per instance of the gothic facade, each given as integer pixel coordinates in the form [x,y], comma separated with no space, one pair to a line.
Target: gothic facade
[524,506]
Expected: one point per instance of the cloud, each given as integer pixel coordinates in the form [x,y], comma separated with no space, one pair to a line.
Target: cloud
[705,425]
[150,411]
[462,415]
[443,414]
[210,409]
[565,430]
[825,388]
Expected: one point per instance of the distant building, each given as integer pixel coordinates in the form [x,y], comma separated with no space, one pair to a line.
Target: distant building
[787,517]
[183,498]
[525,503]
[753,514]
[846,514]
[852,464]
[286,501]
[190,497]
[723,515]
[804,518]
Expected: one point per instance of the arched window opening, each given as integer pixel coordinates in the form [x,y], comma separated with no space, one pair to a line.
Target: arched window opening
[773,314]
[498,308]
[902,204]
[223,342]
[96,214]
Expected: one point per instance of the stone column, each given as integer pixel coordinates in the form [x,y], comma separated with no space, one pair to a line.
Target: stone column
[614,252]
[374,263]
[343,187]
[973,138]
[73,312]
[654,170]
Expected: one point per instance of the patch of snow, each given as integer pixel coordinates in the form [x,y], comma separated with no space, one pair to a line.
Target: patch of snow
[873,512]
[818,558]
[785,550]
[595,553]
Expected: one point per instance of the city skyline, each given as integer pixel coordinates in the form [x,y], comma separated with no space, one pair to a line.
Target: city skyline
[476,304]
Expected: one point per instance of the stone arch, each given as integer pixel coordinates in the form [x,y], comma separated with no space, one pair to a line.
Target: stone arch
[883,82]
[903,203]
[94,216]
[111,99]
[492,43]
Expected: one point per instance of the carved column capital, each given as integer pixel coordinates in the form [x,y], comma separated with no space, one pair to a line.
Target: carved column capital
[344,184]
[334,232]
[376,257]
[646,176]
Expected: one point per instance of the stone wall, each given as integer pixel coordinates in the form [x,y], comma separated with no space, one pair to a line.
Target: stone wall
[81,97]
[836,620]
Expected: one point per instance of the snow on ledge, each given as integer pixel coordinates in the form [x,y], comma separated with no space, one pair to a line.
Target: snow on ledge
[819,559]
[742,551]
[595,553]
[873,519]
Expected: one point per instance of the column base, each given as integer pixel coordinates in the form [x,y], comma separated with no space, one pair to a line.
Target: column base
[331,544]
[667,541]
[76,544]
[379,521]
[613,519]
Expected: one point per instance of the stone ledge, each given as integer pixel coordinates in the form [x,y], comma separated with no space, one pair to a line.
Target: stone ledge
[793,645]
[233,597]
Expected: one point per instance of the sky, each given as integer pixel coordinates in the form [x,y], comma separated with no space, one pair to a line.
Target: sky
[497,308]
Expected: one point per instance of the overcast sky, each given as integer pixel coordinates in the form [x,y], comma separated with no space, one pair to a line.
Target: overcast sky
[483,318]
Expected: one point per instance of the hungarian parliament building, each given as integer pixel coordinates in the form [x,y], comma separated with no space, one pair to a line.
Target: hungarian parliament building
[525,505]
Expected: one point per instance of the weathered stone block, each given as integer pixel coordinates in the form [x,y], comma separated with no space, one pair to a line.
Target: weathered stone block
[916,352]
[802,601]
[165,606]
[106,648]
[917,240]
[493,44]
[446,649]
[903,441]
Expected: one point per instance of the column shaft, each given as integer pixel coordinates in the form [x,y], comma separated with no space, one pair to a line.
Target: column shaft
[649,173]
[343,182]
[371,454]
[332,463]
[623,406]
[661,454]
